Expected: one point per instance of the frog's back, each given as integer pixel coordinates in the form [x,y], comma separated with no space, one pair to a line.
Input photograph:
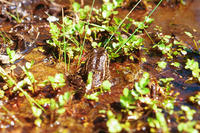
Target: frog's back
[98,64]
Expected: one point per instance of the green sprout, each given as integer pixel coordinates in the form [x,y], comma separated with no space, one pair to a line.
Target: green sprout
[6,38]
[89,82]
[127,99]
[166,82]
[58,81]
[114,124]
[62,101]
[187,127]
[30,80]
[37,113]
[162,64]
[189,112]
[105,86]
[194,67]
[18,86]
[15,17]
[192,37]
[159,122]
[12,55]
[93,96]
[176,64]
[195,99]
[141,85]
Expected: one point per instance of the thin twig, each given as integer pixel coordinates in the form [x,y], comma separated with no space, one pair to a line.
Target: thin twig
[7,2]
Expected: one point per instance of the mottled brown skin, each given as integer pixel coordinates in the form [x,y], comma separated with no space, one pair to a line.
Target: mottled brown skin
[98,64]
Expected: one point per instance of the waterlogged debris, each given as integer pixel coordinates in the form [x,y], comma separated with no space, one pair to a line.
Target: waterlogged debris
[52,19]
[11,57]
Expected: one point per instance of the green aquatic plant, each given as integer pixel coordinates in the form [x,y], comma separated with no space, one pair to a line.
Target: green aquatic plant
[176,64]
[12,55]
[166,82]
[133,99]
[105,86]
[162,64]
[185,120]
[193,38]
[113,123]
[120,22]
[81,12]
[37,113]
[129,97]
[195,99]
[18,86]
[89,82]
[93,96]
[30,80]
[86,31]
[159,122]
[6,38]
[65,36]
[170,49]
[141,86]
[194,67]
[188,112]
[127,100]
[58,106]
[16,16]
[138,28]
[188,127]
[56,82]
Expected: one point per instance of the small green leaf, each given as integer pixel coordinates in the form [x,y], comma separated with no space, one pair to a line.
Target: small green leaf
[53,104]
[106,85]
[189,34]
[61,110]
[148,20]
[162,64]
[176,64]
[89,81]
[36,111]
[188,127]
[93,96]
[76,6]
[2,93]
[38,122]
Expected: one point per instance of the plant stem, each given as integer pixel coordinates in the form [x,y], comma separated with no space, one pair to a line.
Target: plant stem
[121,23]
[82,47]
[138,27]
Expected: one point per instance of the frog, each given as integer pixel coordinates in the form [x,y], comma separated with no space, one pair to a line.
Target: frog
[97,63]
